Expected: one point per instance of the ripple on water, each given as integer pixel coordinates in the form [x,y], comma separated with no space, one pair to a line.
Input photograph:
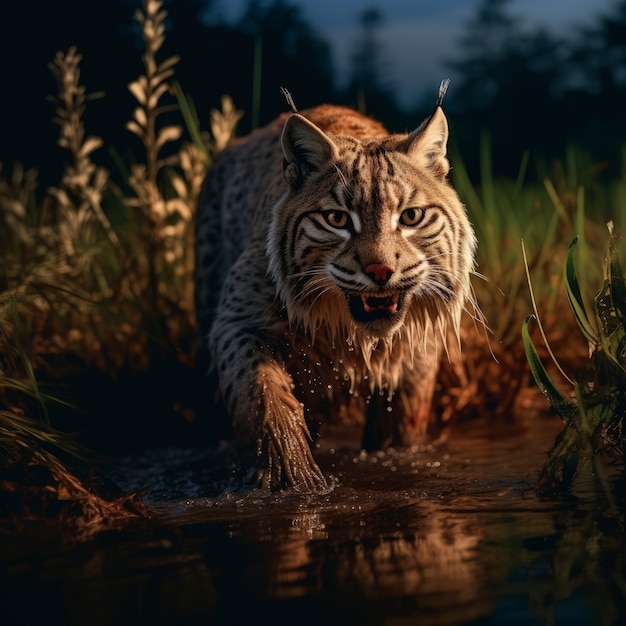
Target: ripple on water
[447,533]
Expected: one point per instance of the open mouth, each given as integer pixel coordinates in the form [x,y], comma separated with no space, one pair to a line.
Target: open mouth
[371,306]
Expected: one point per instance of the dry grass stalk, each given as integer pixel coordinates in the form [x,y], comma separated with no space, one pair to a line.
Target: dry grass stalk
[83,285]
[166,189]
[74,289]
[223,124]
[83,183]
[42,497]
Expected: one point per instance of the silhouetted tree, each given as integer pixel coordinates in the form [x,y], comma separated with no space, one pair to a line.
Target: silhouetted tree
[368,89]
[500,63]
[366,56]
[481,49]
[205,49]
[293,55]
[216,59]
[33,31]
[599,59]
[509,80]
[599,53]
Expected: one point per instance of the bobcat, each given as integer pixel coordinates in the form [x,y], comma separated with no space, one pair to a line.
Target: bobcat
[331,259]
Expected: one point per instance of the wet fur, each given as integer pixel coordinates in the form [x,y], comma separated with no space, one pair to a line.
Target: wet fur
[275,327]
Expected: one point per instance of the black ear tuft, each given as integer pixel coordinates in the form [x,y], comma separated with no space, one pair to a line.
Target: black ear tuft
[427,145]
[443,89]
[289,98]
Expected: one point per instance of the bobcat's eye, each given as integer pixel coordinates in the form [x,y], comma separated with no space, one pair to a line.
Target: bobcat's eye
[411,217]
[336,219]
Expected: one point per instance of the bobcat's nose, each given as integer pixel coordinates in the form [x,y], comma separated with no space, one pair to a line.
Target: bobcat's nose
[380,273]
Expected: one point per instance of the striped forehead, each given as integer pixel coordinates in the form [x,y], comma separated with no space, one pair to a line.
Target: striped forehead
[370,189]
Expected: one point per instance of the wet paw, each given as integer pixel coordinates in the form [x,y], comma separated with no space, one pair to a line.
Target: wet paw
[284,453]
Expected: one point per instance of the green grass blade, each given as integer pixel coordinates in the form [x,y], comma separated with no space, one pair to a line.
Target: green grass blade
[541,376]
[613,272]
[521,174]
[120,163]
[556,201]
[547,248]
[192,122]
[257,77]
[486,171]
[574,296]
[536,317]
[463,183]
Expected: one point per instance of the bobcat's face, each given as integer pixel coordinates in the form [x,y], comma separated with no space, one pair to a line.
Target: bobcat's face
[369,236]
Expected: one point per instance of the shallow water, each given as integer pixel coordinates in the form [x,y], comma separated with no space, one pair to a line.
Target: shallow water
[451,533]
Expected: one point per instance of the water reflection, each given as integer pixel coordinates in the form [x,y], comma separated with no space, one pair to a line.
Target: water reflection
[401,554]
[583,567]
[407,551]
[451,535]
[429,562]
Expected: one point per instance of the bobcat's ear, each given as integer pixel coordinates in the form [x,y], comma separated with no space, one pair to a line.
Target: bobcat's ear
[426,146]
[306,149]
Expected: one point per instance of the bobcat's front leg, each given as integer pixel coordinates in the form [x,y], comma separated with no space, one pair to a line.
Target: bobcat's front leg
[402,418]
[283,444]
[267,418]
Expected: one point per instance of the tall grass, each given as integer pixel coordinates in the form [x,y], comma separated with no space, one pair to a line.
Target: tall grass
[98,274]
[488,376]
[595,409]
[569,198]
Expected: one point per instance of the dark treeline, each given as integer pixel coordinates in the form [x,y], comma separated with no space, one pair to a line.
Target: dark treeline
[529,88]
[534,90]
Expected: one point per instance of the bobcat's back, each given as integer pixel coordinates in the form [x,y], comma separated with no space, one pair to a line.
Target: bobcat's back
[330,255]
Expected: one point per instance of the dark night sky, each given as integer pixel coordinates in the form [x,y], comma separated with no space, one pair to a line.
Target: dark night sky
[419,34]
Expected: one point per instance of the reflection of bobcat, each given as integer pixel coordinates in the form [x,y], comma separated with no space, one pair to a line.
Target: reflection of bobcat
[330,256]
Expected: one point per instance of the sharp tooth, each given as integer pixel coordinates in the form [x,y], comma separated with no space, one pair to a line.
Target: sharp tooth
[379,301]
[366,306]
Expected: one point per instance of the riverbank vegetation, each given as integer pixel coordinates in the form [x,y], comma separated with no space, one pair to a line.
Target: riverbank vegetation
[96,289]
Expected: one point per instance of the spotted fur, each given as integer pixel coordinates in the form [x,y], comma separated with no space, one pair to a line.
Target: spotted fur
[332,259]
